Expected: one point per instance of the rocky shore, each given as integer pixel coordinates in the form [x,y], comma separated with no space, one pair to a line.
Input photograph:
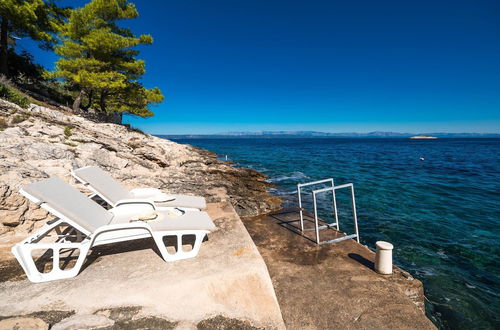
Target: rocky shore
[250,274]
[40,142]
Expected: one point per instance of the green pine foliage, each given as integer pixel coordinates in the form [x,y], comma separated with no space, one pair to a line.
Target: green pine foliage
[99,58]
[37,19]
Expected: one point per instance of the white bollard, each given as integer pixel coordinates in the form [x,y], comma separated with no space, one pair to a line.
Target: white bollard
[383,257]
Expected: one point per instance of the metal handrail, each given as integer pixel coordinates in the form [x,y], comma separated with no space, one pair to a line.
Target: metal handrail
[333,189]
[314,182]
[300,185]
[354,212]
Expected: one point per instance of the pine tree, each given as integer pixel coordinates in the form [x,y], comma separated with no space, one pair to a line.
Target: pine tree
[37,19]
[99,58]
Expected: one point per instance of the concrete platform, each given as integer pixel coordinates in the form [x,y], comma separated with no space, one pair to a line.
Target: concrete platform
[333,286]
[228,280]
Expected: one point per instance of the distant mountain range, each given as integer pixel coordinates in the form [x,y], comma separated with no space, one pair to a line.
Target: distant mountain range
[299,134]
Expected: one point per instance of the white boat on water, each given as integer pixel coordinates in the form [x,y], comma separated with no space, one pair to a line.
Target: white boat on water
[423,137]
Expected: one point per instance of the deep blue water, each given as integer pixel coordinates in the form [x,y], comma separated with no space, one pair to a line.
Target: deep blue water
[442,214]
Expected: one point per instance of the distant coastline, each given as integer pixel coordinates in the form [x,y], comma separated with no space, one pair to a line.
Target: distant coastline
[314,134]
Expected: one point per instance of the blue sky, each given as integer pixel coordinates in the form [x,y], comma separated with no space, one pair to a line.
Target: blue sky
[334,66]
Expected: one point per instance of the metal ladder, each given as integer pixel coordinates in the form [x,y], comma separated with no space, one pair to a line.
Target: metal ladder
[317,227]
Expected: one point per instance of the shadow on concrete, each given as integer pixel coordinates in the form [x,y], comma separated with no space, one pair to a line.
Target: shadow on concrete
[11,270]
[289,219]
[289,224]
[68,257]
[362,260]
[118,248]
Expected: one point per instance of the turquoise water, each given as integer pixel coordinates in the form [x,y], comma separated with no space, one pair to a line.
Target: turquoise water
[442,214]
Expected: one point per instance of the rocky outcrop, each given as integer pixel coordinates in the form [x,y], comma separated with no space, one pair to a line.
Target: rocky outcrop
[40,142]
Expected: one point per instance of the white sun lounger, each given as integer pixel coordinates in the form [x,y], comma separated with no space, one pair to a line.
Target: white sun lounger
[87,224]
[103,185]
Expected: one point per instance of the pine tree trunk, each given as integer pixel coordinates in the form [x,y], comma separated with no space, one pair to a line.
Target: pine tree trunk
[78,101]
[89,104]
[117,117]
[102,102]
[4,44]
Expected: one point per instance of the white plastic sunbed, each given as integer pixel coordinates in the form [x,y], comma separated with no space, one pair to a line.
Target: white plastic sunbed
[82,224]
[103,185]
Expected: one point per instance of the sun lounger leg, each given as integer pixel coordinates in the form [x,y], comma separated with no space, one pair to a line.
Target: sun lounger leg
[180,253]
[22,252]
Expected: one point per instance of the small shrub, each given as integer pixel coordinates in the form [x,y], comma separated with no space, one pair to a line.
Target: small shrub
[19,119]
[133,129]
[71,144]
[3,124]
[67,131]
[14,96]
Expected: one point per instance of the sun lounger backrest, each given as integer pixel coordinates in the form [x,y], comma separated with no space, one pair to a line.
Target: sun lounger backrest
[103,183]
[69,202]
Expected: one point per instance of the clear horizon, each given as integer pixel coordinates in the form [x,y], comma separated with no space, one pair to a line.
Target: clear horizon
[324,66]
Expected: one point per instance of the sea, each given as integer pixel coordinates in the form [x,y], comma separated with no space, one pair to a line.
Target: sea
[436,201]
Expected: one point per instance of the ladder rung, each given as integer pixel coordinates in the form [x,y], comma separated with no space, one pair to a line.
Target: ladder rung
[321,227]
[340,239]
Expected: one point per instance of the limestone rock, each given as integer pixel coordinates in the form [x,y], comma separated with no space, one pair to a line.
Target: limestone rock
[19,131]
[21,323]
[48,151]
[88,321]
[51,142]
[108,159]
